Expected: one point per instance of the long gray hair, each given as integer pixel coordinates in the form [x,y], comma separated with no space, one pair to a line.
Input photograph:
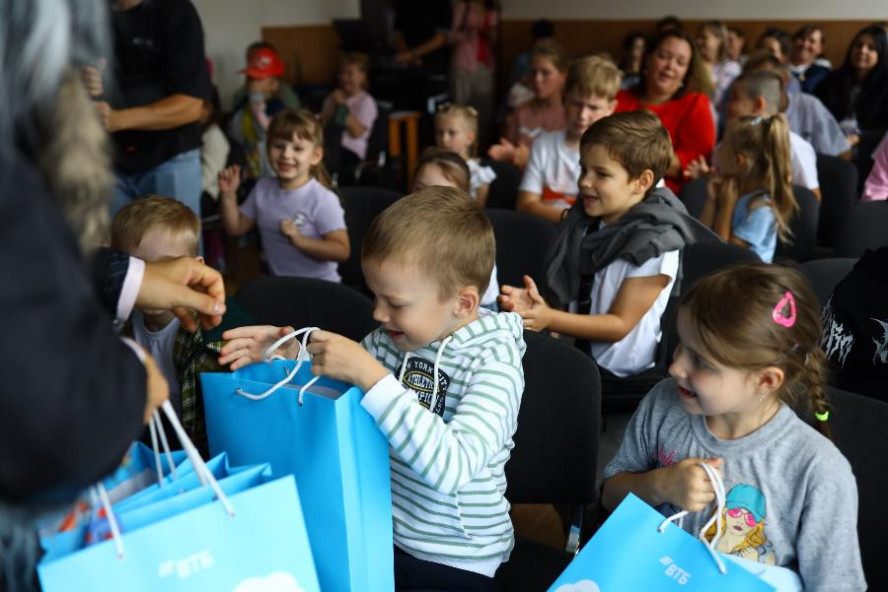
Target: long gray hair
[47,117]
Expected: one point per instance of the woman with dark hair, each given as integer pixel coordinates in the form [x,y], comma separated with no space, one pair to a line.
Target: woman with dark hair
[807,66]
[857,93]
[674,86]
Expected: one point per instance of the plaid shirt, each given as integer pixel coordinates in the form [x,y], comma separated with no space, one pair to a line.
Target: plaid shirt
[192,355]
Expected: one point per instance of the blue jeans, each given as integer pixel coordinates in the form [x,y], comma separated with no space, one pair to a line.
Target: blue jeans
[179,178]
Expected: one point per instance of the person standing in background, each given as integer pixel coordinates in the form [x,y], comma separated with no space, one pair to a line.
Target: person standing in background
[153,103]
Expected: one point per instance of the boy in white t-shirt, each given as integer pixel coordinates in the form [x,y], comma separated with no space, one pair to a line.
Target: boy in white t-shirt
[617,252]
[549,185]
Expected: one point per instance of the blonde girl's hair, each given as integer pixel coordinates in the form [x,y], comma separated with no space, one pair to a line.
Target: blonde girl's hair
[764,142]
[304,125]
[468,115]
[742,317]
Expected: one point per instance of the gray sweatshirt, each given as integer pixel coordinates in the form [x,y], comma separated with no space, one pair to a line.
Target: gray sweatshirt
[791,495]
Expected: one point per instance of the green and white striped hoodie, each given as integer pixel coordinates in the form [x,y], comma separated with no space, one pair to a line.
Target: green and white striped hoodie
[449,419]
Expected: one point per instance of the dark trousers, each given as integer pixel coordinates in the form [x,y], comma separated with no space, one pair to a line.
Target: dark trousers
[417,575]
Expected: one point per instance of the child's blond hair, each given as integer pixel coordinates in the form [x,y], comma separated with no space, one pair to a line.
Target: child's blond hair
[136,218]
[468,114]
[764,143]
[635,139]
[594,76]
[442,232]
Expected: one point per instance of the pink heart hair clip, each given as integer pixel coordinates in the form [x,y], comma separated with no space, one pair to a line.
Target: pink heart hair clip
[778,315]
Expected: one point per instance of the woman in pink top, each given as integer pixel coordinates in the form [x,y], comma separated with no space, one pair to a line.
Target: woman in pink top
[472,34]
[543,113]
[672,77]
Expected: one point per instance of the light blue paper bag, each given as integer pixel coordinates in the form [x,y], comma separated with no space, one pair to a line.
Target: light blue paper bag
[629,553]
[249,541]
[334,449]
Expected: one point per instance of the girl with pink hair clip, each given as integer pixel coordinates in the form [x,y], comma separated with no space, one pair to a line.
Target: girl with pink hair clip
[747,397]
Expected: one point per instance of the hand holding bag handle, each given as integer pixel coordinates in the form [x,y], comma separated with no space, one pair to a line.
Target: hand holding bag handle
[719,487]
[301,357]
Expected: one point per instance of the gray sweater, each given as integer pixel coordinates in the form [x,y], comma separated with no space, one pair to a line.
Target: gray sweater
[791,492]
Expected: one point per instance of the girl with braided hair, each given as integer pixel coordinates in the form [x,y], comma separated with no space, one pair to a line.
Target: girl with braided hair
[747,396]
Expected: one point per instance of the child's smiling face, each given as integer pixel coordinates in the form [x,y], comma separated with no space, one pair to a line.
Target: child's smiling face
[605,186]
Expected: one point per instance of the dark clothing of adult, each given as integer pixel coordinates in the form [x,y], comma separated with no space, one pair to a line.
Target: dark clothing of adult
[812,77]
[420,21]
[158,52]
[74,393]
[870,106]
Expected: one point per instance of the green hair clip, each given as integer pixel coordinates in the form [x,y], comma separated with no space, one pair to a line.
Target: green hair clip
[822,416]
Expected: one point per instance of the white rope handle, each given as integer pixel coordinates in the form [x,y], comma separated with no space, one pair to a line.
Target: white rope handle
[152,429]
[200,467]
[156,425]
[112,519]
[300,358]
[719,487]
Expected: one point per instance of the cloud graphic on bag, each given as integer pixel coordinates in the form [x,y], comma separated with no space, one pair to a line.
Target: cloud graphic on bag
[581,586]
[279,581]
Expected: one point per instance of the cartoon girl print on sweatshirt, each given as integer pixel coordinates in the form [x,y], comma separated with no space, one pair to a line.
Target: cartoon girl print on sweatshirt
[743,526]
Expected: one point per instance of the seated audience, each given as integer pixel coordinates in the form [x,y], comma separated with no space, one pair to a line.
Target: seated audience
[549,186]
[807,66]
[670,89]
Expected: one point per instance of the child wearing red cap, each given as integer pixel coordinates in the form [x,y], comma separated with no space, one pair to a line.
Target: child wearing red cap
[249,124]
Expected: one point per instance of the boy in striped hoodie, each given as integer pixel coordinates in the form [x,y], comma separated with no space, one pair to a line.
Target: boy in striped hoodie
[443,379]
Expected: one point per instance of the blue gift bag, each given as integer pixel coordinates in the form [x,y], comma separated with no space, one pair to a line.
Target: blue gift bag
[201,549]
[334,449]
[630,553]
[252,537]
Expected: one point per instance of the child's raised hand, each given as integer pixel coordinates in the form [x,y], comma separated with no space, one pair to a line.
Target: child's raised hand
[502,152]
[246,345]
[686,485]
[697,168]
[343,359]
[229,179]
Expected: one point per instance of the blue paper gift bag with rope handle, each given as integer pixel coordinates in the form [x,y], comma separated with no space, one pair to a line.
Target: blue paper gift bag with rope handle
[243,533]
[332,446]
[629,552]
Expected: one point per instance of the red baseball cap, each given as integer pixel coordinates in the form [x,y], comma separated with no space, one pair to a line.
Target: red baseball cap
[263,64]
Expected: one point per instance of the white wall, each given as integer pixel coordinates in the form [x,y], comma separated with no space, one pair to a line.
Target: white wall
[231,25]
[691,9]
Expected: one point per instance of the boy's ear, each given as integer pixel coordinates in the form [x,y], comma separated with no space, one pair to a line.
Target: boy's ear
[644,181]
[199,258]
[611,107]
[467,301]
